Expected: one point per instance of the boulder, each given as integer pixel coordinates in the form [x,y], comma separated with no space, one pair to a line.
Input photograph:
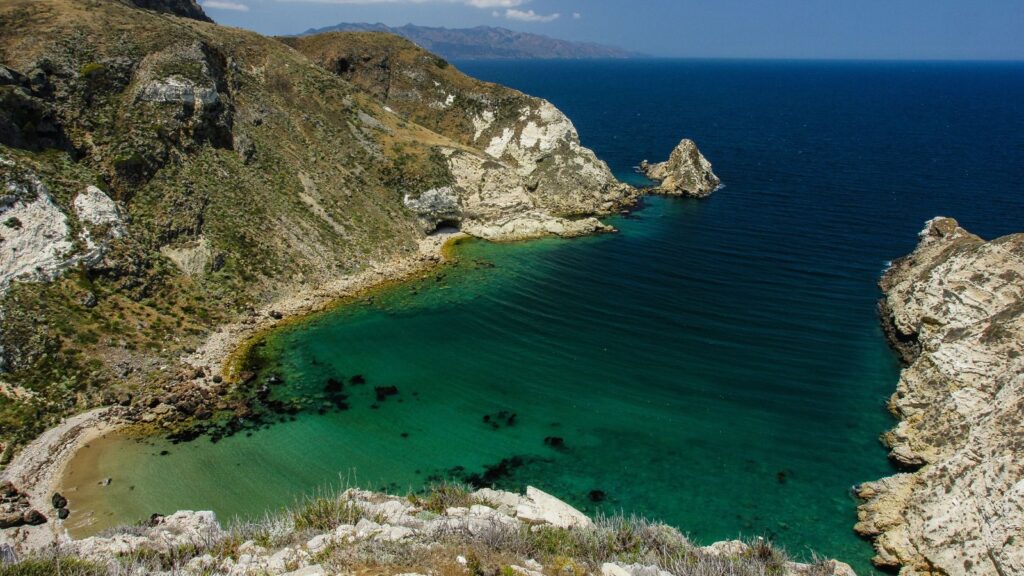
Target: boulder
[33,517]
[544,508]
[11,519]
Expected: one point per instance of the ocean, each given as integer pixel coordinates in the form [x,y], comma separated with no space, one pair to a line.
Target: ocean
[717,364]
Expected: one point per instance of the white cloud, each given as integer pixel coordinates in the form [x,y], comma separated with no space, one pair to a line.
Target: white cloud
[530,16]
[225,5]
[576,15]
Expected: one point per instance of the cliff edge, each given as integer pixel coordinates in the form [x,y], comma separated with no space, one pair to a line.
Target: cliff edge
[953,310]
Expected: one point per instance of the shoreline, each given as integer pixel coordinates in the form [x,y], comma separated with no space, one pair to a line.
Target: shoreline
[38,469]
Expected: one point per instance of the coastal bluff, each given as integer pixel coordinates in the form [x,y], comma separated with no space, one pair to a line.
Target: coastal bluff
[953,310]
[686,172]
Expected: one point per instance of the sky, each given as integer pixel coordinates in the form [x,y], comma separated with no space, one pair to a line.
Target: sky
[827,29]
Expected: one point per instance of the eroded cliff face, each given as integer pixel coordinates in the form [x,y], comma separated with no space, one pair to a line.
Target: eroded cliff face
[953,308]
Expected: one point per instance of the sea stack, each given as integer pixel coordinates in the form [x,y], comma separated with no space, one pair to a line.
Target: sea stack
[686,172]
[953,310]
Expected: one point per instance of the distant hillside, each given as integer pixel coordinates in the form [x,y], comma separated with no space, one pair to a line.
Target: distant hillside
[487,43]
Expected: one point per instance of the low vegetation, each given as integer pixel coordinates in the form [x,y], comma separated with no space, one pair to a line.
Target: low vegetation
[497,550]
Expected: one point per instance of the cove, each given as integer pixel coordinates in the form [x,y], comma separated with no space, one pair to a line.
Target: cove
[669,399]
[717,364]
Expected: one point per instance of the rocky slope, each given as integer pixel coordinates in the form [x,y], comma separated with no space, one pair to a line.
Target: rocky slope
[164,176]
[686,173]
[445,531]
[953,309]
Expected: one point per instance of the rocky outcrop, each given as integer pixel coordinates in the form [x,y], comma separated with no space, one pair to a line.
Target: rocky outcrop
[27,120]
[186,8]
[101,221]
[489,199]
[686,173]
[953,308]
[541,144]
[37,243]
[36,238]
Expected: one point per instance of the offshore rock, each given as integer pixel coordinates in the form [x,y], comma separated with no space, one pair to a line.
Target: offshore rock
[686,173]
[953,308]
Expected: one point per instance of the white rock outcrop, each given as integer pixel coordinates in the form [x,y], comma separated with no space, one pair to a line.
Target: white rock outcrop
[490,200]
[178,90]
[953,309]
[36,238]
[541,145]
[101,222]
[686,173]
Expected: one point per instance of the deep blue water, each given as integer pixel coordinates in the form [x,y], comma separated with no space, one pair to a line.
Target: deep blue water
[847,157]
[717,365]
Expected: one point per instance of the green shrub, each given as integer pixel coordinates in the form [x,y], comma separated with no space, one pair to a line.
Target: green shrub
[52,566]
[90,70]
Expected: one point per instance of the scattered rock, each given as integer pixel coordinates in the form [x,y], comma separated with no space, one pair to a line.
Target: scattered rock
[554,441]
[383,392]
[58,501]
[33,517]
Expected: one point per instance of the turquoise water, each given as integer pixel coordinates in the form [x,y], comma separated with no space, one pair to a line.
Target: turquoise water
[716,364]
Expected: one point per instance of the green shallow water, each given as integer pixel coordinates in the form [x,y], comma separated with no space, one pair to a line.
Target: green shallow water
[727,405]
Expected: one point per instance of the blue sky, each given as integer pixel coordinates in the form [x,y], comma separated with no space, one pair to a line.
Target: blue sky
[862,29]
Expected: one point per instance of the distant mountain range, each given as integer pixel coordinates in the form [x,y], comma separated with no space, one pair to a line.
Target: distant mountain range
[488,43]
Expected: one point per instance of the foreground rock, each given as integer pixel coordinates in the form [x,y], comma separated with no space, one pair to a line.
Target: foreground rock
[486,531]
[953,309]
[686,173]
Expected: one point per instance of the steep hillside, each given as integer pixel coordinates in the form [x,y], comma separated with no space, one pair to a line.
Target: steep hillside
[487,43]
[165,176]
